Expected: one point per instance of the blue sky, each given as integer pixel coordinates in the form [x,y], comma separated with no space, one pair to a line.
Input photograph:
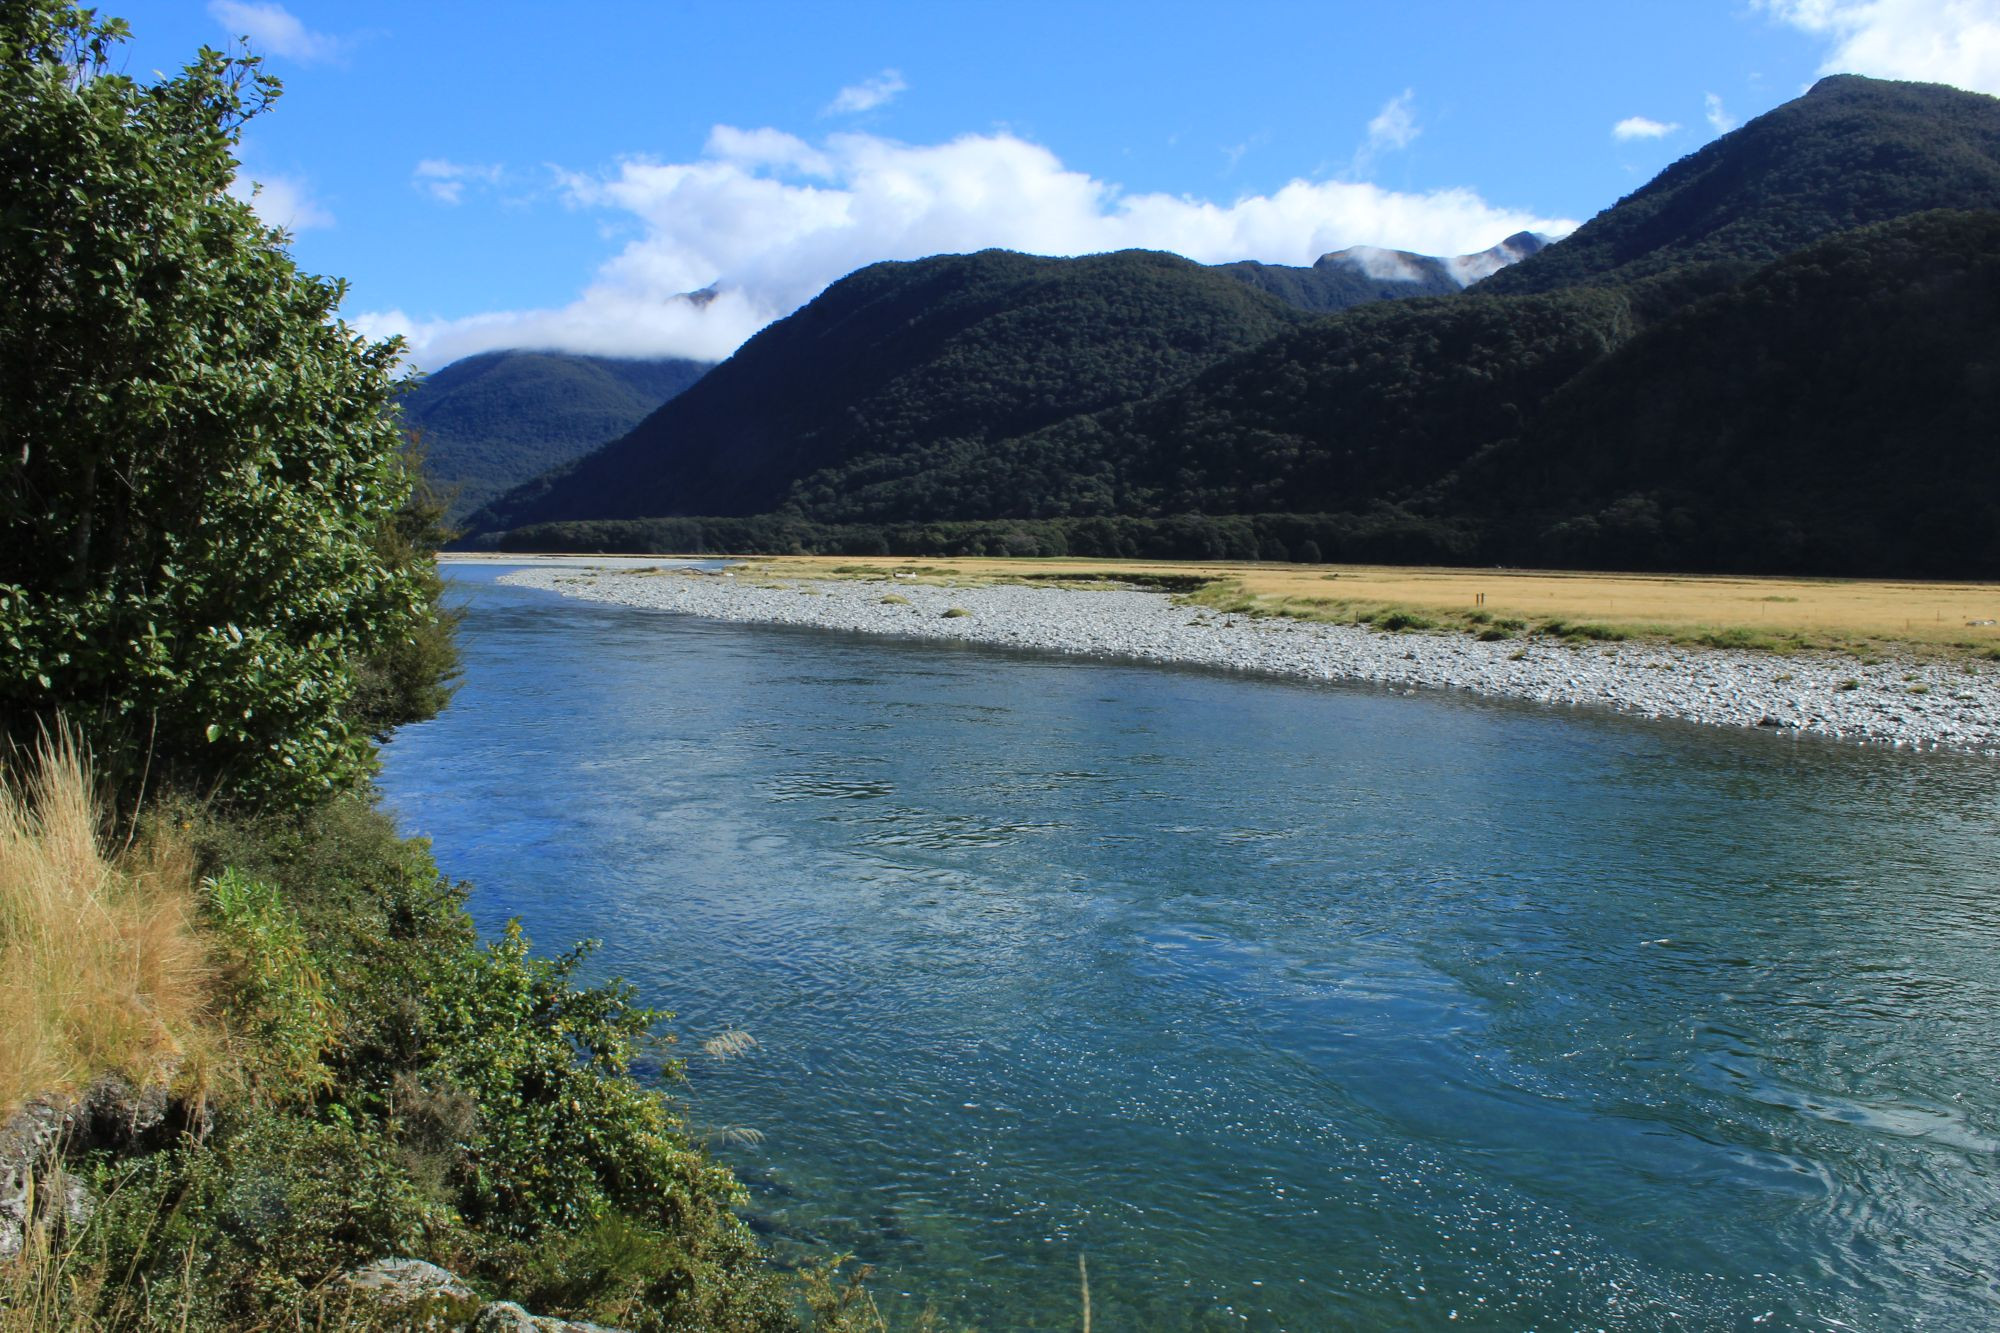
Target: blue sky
[510,173]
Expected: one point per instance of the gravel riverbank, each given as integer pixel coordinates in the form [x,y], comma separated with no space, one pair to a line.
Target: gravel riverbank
[1925,704]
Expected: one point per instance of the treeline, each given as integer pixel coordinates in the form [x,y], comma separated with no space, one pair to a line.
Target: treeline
[1384,535]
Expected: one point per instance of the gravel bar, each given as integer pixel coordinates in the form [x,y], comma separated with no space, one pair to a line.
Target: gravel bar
[1924,704]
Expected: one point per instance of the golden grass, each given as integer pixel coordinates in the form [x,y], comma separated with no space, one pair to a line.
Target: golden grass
[1858,615]
[101,968]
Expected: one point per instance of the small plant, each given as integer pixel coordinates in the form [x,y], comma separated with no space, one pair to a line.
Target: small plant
[1782,677]
[1920,689]
[955,612]
[1849,684]
[1575,631]
[1494,634]
[894,599]
[1518,655]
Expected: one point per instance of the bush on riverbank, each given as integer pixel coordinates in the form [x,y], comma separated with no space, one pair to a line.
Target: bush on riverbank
[217,569]
[386,1085]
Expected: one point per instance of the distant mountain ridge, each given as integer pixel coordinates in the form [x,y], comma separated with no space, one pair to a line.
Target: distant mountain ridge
[1359,274]
[492,421]
[1507,421]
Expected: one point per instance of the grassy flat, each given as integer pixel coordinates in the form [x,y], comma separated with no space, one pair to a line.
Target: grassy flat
[1852,615]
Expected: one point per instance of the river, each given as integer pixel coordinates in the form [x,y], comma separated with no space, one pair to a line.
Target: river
[1286,1006]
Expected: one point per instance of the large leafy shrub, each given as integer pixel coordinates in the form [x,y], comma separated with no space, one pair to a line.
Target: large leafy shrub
[200,479]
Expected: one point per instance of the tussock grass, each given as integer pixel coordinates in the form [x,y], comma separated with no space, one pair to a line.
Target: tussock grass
[101,968]
[1861,616]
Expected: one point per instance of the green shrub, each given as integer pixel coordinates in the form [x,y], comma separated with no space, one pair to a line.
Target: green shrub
[203,493]
[248,1227]
[276,1003]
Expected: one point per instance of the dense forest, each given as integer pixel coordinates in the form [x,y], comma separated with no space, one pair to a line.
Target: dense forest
[492,421]
[1774,357]
[904,356]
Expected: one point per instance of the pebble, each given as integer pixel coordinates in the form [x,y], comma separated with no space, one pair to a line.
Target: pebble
[1799,694]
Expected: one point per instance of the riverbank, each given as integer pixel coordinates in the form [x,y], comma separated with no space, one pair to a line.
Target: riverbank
[1894,700]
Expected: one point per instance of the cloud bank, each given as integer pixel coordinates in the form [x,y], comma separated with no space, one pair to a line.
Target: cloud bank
[768,220]
[1934,41]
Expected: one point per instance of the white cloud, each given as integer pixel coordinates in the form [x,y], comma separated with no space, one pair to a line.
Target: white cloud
[866,95]
[1935,41]
[1393,128]
[273,30]
[1381,265]
[282,201]
[770,220]
[445,181]
[1642,127]
[1718,119]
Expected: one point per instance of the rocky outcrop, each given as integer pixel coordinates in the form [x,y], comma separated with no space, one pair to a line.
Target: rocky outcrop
[36,1194]
[419,1295]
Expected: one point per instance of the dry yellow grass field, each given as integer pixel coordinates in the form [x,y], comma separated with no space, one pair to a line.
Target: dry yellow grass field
[1849,614]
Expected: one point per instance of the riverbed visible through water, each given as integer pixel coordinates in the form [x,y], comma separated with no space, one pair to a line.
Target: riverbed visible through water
[1288,1006]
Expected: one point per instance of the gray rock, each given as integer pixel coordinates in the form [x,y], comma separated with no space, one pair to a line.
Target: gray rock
[506,1317]
[31,1147]
[408,1281]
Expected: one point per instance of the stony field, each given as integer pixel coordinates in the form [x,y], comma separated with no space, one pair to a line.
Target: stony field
[1927,702]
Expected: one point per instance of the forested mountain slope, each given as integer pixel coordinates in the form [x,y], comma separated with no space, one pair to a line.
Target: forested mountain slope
[493,421]
[956,349]
[1838,413]
[1851,152]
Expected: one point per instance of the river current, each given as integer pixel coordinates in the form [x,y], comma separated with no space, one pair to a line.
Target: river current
[1285,1006]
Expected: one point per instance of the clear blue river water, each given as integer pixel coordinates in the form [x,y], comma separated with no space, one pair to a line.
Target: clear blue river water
[1288,1006]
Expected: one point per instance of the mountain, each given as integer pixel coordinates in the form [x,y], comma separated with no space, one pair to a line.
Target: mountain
[1778,356]
[1851,152]
[900,363]
[1838,413]
[1363,273]
[492,421]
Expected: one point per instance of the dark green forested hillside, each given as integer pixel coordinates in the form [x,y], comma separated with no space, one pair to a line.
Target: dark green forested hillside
[1334,414]
[1851,152]
[1838,413]
[958,348]
[492,421]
